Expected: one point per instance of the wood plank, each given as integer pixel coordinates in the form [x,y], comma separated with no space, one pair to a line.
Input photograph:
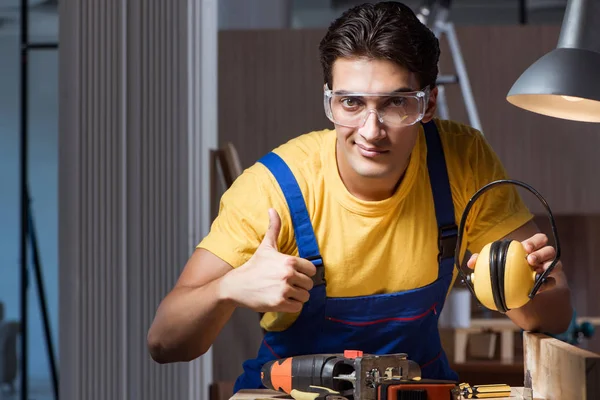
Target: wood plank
[559,370]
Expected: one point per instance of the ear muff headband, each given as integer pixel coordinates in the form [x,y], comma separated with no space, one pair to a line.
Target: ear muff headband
[499,251]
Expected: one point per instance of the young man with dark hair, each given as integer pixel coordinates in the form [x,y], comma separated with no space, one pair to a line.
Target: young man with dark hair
[334,235]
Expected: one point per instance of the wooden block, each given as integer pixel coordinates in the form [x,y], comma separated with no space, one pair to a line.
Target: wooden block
[559,370]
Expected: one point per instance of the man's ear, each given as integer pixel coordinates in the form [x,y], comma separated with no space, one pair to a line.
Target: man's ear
[431,105]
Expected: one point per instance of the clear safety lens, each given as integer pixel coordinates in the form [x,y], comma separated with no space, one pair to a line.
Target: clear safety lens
[392,109]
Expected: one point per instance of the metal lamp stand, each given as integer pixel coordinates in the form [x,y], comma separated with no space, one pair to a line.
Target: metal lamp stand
[440,25]
[27,225]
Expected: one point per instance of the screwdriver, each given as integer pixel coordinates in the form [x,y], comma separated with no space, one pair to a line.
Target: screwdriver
[483,391]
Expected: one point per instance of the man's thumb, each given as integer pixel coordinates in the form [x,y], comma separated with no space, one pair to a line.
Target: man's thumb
[273,230]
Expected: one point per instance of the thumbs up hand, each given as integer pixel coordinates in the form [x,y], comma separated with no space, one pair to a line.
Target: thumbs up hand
[270,239]
[270,280]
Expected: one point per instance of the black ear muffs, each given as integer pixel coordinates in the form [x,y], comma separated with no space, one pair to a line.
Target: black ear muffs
[502,278]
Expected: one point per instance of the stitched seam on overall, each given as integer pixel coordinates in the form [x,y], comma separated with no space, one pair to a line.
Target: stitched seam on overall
[270,348]
[377,321]
[432,360]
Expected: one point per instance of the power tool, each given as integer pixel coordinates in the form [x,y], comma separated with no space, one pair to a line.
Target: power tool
[357,376]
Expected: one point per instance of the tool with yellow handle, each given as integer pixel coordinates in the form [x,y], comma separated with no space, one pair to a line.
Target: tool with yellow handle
[502,278]
[482,391]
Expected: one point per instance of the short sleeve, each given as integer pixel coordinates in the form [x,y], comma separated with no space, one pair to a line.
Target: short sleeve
[498,211]
[243,217]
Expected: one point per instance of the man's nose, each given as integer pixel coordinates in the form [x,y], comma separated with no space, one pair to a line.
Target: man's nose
[371,129]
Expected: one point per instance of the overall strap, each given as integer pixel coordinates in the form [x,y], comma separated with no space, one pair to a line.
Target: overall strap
[442,195]
[303,229]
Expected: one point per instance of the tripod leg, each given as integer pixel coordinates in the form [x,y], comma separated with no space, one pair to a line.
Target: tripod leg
[442,105]
[43,304]
[463,78]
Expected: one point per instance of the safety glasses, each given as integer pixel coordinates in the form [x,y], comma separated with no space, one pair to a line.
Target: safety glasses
[394,109]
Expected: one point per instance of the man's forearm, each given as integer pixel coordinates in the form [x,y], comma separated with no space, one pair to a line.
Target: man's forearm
[187,322]
[550,311]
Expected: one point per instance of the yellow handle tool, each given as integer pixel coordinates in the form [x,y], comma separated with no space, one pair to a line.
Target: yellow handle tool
[484,391]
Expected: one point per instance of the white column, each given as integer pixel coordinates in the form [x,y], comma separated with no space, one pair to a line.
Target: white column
[137,116]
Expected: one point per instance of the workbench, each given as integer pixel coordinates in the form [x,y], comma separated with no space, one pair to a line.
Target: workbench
[516,393]
[558,370]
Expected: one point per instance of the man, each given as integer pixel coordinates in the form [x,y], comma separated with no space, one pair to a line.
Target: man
[334,235]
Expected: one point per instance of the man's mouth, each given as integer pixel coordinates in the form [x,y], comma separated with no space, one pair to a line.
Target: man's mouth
[368,151]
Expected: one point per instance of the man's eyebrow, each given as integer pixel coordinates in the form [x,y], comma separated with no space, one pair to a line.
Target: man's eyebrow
[344,92]
[402,89]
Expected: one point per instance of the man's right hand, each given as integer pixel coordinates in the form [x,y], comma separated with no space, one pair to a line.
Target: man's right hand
[270,280]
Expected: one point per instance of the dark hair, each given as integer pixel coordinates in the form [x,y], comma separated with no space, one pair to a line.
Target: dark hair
[387,30]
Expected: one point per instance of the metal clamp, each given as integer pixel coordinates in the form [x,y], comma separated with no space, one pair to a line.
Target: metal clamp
[447,238]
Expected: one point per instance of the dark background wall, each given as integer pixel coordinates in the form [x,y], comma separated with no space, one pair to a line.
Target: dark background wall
[270,90]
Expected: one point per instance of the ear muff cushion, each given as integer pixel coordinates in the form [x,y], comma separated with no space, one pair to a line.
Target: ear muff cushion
[481,278]
[502,257]
[496,275]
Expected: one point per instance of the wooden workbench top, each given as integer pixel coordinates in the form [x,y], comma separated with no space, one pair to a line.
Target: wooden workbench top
[258,394]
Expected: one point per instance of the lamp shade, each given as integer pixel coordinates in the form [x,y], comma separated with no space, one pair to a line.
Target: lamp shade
[565,83]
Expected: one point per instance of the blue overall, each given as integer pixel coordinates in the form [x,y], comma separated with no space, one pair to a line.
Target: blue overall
[401,322]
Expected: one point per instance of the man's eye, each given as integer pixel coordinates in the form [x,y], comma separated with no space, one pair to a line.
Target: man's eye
[350,102]
[397,102]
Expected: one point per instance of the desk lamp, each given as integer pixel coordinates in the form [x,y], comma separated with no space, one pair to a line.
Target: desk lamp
[565,83]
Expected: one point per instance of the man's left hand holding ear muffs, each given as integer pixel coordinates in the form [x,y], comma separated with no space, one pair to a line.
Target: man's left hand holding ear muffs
[550,310]
[540,254]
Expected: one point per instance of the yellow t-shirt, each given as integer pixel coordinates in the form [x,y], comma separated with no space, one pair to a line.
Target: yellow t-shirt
[368,247]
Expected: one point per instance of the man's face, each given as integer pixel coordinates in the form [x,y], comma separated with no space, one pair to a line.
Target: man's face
[375,150]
